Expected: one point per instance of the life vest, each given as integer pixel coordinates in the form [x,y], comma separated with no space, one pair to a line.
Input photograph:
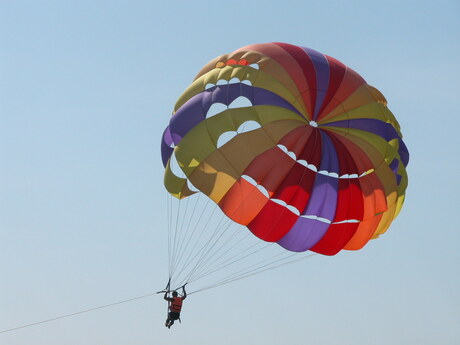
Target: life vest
[176,304]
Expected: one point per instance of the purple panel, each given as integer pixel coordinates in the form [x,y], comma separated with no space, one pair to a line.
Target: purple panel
[380,128]
[188,116]
[394,165]
[323,199]
[403,152]
[194,110]
[322,77]
[329,159]
[166,149]
[307,232]
[322,203]
[167,138]
[265,97]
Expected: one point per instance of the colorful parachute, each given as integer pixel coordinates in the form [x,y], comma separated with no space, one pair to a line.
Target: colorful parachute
[290,143]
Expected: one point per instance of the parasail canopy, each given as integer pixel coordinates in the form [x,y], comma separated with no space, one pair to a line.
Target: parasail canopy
[290,143]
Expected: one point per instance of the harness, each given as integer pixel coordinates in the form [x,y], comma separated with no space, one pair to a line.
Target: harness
[175,305]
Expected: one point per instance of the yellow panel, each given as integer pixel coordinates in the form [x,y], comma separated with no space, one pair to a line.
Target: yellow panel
[386,150]
[214,177]
[258,79]
[387,218]
[399,204]
[367,111]
[175,185]
[360,97]
[377,95]
[193,148]
[201,141]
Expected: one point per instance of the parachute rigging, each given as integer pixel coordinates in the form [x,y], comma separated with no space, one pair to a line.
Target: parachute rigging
[208,249]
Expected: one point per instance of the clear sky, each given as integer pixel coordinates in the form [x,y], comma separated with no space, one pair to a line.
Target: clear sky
[86,89]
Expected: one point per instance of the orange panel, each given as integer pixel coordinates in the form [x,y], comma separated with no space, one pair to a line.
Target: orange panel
[243,202]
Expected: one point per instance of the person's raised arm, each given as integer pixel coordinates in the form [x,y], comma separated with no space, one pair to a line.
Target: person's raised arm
[184,293]
[166,295]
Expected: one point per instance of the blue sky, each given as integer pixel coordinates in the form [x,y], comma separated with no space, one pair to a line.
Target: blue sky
[86,89]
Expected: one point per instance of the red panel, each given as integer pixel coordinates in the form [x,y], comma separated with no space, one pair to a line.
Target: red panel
[270,168]
[350,205]
[337,236]
[346,163]
[305,63]
[273,222]
[312,151]
[296,188]
[286,69]
[372,187]
[350,197]
[349,201]
[296,140]
[336,74]
[350,83]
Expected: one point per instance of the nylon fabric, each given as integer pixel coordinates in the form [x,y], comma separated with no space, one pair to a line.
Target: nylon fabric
[311,158]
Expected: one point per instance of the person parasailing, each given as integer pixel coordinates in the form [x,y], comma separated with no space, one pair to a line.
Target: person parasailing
[174,305]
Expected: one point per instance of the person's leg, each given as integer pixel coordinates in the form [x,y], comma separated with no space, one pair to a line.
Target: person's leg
[168,320]
[173,316]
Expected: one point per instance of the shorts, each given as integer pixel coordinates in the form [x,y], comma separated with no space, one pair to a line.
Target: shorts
[174,315]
